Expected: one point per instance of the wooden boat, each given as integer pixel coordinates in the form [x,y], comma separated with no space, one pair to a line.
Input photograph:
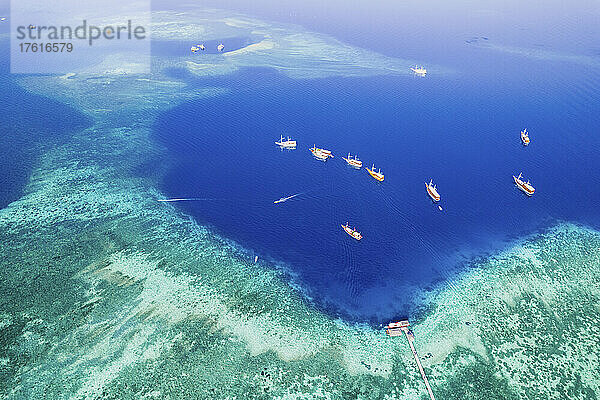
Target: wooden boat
[432,191]
[525,187]
[353,162]
[525,137]
[352,232]
[286,143]
[376,175]
[320,154]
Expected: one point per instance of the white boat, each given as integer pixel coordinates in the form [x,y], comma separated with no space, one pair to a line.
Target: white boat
[281,200]
[195,49]
[286,143]
[525,137]
[320,154]
[432,191]
[526,187]
[353,162]
[419,70]
[201,47]
[352,232]
[220,47]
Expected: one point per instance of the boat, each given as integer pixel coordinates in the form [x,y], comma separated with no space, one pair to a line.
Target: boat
[194,49]
[525,137]
[201,47]
[352,232]
[432,191]
[281,200]
[286,143]
[526,187]
[320,154]
[220,47]
[377,175]
[353,162]
[419,70]
[397,328]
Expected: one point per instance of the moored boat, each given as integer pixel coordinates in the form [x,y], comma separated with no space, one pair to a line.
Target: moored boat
[286,143]
[419,70]
[352,232]
[525,187]
[397,328]
[432,191]
[220,47]
[525,137]
[375,174]
[353,162]
[320,154]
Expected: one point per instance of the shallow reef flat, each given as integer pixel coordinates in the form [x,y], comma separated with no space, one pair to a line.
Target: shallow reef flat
[107,293]
[289,49]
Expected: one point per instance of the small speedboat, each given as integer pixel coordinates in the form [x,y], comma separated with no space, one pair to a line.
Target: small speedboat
[432,191]
[220,47]
[375,174]
[320,154]
[353,162]
[286,143]
[201,47]
[195,49]
[419,70]
[352,232]
[525,137]
[526,187]
[283,199]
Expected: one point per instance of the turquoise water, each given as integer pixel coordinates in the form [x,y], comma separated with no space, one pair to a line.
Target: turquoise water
[107,293]
[29,122]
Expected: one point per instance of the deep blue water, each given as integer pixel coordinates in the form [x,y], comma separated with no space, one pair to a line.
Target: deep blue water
[460,129]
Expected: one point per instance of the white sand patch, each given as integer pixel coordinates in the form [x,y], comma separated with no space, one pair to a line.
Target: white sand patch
[263,45]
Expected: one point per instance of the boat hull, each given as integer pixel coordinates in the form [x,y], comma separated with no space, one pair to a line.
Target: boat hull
[321,154]
[355,235]
[289,145]
[353,163]
[375,175]
[521,185]
[434,196]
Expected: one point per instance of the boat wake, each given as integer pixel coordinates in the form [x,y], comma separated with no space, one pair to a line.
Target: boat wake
[283,199]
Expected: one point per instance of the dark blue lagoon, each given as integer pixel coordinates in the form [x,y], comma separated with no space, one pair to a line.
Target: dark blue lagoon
[460,129]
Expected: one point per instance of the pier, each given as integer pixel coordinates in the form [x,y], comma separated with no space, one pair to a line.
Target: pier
[397,329]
